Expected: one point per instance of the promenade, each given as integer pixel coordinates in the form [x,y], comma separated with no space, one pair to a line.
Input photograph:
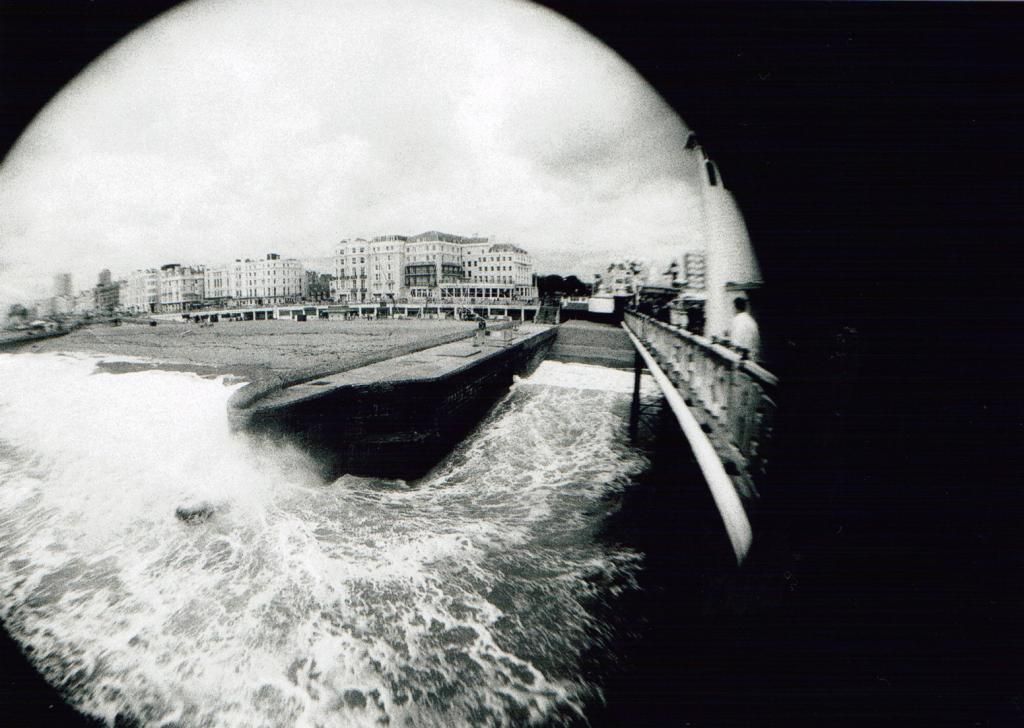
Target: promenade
[402,308]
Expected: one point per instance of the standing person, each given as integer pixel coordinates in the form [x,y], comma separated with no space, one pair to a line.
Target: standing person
[743,331]
[481,330]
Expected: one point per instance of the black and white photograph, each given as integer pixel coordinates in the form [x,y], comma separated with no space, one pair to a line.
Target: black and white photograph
[509,363]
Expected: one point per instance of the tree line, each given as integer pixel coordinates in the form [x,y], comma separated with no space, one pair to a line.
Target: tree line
[556,285]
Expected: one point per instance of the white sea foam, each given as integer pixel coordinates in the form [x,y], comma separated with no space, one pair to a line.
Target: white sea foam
[463,598]
[587,376]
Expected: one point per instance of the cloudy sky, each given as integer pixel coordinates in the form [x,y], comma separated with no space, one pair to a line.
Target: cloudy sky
[231,128]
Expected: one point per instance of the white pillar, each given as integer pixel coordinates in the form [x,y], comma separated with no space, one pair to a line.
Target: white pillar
[730,261]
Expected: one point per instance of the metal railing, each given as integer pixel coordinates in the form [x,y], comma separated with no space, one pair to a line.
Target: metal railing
[733,397]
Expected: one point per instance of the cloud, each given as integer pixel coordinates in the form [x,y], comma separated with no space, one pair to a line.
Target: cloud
[232,128]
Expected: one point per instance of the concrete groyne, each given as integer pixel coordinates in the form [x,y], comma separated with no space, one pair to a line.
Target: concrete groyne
[17,342]
[277,381]
[396,416]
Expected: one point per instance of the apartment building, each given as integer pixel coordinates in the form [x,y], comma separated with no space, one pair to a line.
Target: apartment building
[62,287]
[504,265]
[431,265]
[350,271]
[182,287]
[63,301]
[142,291]
[215,285]
[433,259]
[386,259]
[106,293]
[624,278]
[267,282]
[318,286]
[122,294]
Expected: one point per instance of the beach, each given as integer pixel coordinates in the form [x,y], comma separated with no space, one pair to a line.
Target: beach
[252,350]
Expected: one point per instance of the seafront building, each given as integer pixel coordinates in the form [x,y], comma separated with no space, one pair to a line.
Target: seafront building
[182,287]
[84,302]
[62,287]
[431,265]
[387,259]
[434,260]
[176,288]
[122,294]
[215,285]
[142,291]
[63,300]
[265,282]
[622,279]
[318,286]
[350,271]
[105,293]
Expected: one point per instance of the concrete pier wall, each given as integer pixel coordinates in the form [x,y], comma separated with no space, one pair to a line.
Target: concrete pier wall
[254,391]
[397,427]
[586,342]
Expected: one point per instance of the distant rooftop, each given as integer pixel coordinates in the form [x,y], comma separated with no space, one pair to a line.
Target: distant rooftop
[505,248]
[432,236]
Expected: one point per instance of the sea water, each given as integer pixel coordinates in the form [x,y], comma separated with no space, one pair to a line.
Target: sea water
[472,596]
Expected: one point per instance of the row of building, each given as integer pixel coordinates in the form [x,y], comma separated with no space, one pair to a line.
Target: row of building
[627,278]
[432,265]
[175,287]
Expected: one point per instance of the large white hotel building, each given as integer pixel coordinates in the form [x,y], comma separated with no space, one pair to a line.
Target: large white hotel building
[432,265]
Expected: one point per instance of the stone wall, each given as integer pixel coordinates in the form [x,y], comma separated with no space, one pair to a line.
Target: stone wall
[583,342]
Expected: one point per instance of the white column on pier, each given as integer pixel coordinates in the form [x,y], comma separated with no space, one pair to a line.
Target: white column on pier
[731,265]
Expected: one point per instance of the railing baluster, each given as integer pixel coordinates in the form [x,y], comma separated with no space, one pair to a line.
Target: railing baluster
[731,390]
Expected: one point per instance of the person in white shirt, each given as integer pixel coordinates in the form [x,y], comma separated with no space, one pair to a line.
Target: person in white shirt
[743,331]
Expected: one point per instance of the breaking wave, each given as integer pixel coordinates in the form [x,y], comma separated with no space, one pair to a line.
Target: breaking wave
[471,596]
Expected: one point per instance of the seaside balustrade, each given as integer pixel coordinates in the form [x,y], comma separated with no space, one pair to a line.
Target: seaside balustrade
[733,398]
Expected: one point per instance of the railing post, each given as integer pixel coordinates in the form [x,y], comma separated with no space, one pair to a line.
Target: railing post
[732,394]
[723,490]
[634,410]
